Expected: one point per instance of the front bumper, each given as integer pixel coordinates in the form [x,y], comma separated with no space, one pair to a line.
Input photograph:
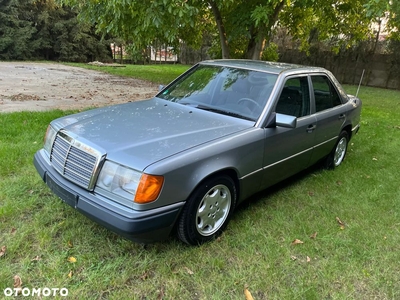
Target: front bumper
[139,226]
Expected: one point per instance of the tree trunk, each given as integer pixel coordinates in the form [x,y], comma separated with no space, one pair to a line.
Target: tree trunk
[221,29]
[256,44]
[261,36]
[377,36]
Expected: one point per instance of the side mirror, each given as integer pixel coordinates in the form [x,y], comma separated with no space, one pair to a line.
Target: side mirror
[286,121]
[281,120]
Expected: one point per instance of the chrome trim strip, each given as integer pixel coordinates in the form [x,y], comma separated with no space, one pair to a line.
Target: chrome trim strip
[320,144]
[287,158]
[355,128]
[250,174]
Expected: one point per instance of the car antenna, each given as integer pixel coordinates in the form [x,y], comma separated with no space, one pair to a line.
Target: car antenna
[358,89]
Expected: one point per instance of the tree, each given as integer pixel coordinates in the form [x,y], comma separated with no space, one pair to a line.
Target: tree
[243,27]
[338,24]
[42,29]
[378,11]
[16,30]
[142,22]
[221,29]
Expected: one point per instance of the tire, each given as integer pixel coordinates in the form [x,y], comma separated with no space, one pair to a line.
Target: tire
[207,211]
[336,157]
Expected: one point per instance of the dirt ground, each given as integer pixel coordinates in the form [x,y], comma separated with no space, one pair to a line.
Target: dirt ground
[44,86]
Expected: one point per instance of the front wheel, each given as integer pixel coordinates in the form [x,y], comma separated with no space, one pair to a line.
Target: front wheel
[336,157]
[207,211]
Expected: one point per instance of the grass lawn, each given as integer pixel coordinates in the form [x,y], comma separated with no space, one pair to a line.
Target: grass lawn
[50,245]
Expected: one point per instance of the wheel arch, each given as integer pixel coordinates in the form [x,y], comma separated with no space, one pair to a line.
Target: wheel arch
[184,228]
[230,172]
[348,128]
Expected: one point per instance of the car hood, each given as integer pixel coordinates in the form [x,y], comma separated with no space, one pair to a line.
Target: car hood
[140,133]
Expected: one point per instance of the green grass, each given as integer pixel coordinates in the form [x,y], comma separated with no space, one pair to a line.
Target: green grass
[256,251]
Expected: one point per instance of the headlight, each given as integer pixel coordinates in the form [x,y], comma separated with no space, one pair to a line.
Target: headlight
[119,180]
[128,183]
[49,138]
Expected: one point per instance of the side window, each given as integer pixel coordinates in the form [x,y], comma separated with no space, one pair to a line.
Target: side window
[294,99]
[324,93]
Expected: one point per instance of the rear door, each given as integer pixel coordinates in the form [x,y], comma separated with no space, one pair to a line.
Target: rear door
[330,113]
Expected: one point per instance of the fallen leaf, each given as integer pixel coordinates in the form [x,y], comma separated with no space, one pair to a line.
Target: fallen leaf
[70,274]
[340,222]
[293,257]
[313,236]
[13,231]
[144,276]
[17,281]
[70,245]
[308,259]
[338,182]
[374,158]
[36,258]
[297,241]
[71,259]
[190,272]
[17,284]
[3,251]
[248,295]
[161,294]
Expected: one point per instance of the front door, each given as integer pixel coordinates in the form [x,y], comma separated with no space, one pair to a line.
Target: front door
[288,150]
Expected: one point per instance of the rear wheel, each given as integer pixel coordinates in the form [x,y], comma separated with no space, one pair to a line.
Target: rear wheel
[207,211]
[336,157]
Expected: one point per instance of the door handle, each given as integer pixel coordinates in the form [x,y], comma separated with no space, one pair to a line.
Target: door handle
[311,128]
[342,116]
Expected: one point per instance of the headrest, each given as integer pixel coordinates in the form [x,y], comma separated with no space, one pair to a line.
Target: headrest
[241,85]
[258,78]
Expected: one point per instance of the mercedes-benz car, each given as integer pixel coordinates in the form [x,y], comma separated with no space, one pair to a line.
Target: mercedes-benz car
[182,161]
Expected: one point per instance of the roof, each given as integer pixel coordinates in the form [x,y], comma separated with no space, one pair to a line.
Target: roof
[264,66]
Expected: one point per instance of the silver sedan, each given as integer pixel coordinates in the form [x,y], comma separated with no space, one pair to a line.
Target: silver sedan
[182,161]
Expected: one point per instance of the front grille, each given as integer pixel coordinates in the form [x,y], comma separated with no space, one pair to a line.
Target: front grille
[72,162]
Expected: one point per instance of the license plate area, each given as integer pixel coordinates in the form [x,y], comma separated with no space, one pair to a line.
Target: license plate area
[66,196]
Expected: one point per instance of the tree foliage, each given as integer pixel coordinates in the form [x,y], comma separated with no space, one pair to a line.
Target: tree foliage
[16,30]
[237,28]
[338,24]
[42,29]
[379,10]
[243,27]
[142,22]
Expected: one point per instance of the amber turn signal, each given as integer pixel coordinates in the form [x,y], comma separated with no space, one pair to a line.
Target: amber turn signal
[149,188]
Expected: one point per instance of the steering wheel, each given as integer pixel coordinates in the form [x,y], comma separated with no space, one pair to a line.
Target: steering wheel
[242,100]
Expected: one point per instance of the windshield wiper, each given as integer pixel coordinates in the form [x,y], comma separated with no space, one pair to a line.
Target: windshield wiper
[222,112]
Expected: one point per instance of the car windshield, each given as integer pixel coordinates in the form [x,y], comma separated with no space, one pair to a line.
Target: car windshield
[236,92]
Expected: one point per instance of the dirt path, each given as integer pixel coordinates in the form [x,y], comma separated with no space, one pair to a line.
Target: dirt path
[45,86]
